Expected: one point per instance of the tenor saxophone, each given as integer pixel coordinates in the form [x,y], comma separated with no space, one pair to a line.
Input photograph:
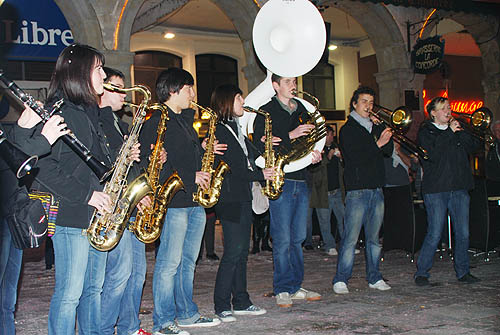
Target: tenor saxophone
[209,197]
[148,223]
[273,187]
[106,229]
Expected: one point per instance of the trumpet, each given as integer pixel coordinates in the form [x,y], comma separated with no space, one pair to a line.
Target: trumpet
[477,124]
[399,121]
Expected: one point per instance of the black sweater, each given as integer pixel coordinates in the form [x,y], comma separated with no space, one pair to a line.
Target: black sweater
[282,123]
[447,168]
[184,152]
[236,184]
[64,174]
[363,159]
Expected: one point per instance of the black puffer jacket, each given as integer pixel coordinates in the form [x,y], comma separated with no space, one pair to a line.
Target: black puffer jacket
[363,159]
[448,167]
[63,173]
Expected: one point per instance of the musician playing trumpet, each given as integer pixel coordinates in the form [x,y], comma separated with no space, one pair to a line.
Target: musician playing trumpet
[446,183]
[289,211]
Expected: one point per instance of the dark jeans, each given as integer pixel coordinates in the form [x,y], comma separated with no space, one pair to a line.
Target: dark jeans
[437,205]
[232,273]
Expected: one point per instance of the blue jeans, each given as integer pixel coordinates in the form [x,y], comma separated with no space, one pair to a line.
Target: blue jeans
[10,268]
[123,284]
[79,279]
[336,205]
[174,269]
[232,272]
[437,205]
[363,208]
[288,230]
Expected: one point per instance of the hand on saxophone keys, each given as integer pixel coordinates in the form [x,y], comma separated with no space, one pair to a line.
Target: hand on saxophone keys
[270,173]
[135,153]
[219,148]
[202,179]
[145,202]
[100,201]
[275,139]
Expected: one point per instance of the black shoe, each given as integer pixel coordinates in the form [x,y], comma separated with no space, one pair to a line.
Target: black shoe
[255,249]
[469,279]
[213,257]
[266,247]
[308,247]
[421,281]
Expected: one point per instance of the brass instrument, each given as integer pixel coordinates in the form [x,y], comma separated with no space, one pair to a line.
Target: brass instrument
[477,123]
[399,121]
[148,223]
[273,187]
[209,197]
[106,229]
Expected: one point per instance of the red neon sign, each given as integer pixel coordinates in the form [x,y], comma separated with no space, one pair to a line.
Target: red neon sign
[458,106]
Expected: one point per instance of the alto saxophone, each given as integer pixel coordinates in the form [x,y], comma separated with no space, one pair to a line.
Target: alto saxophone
[148,223]
[106,229]
[209,197]
[273,187]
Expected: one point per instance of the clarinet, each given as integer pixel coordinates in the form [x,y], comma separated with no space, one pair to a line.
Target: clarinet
[100,170]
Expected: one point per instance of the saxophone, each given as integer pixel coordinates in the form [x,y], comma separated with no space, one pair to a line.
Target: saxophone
[148,223]
[106,229]
[209,197]
[273,187]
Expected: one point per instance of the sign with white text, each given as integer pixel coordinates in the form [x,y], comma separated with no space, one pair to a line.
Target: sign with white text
[33,30]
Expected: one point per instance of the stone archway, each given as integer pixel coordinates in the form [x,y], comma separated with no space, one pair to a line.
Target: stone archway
[484,30]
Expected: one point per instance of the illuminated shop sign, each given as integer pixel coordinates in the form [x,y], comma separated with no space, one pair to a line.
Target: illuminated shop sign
[33,30]
[460,106]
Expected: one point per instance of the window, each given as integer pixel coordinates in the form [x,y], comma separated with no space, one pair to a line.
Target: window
[149,64]
[29,70]
[320,83]
[211,71]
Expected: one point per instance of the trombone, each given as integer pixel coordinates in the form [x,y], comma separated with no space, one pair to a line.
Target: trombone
[399,121]
[477,124]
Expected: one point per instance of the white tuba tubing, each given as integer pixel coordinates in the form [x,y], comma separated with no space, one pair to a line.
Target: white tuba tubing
[289,49]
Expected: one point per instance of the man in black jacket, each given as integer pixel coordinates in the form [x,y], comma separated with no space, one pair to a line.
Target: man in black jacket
[185,220]
[363,144]
[126,263]
[289,211]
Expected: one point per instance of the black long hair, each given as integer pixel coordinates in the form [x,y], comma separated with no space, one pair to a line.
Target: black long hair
[71,79]
[222,101]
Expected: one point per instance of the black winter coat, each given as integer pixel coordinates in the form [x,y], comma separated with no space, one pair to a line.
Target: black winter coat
[448,167]
[363,159]
[64,174]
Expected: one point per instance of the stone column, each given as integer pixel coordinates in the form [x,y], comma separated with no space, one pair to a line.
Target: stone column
[392,85]
[491,86]
[120,60]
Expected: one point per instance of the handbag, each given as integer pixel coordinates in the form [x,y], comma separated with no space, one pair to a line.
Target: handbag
[29,216]
[260,203]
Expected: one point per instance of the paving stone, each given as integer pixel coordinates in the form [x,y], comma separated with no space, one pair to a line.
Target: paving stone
[445,308]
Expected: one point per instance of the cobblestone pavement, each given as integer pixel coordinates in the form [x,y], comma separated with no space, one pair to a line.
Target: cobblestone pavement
[446,307]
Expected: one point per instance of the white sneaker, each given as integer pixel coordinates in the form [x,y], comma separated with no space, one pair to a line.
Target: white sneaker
[251,310]
[283,300]
[226,316]
[332,252]
[303,294]
[340,288]
[356,251]
[380,285]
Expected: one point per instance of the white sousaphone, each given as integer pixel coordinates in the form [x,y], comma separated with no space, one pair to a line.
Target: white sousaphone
[289,38]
